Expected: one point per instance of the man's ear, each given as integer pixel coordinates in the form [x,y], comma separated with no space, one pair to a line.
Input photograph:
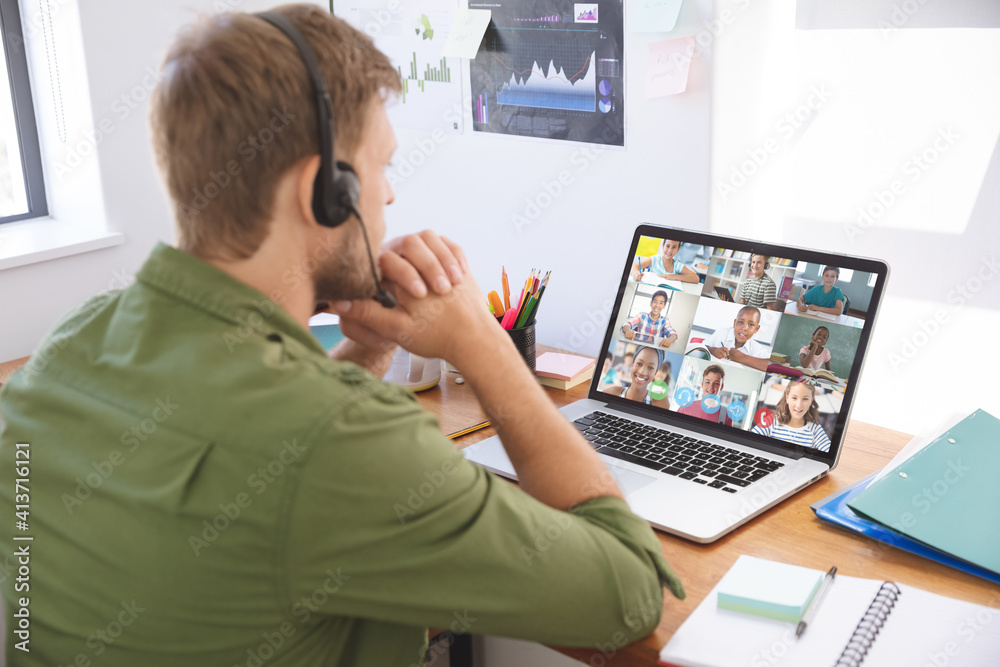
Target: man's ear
[304,189]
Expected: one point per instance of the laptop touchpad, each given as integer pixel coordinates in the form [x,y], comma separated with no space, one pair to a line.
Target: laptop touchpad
[628,480]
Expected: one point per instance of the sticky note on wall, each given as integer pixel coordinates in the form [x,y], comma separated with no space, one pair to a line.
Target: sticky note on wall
[467,32]
[654,15]
[668,67]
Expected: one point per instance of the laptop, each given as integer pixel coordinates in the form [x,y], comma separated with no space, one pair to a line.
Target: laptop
[709,414]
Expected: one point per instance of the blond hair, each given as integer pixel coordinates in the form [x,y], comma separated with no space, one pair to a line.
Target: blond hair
[235,110]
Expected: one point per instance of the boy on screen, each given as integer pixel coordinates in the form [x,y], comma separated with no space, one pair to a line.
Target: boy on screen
[647,327]
[825,298]
[736,344]
[712,382]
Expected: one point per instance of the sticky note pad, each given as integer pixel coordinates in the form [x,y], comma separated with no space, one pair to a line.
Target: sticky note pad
[768,589]
[562,366]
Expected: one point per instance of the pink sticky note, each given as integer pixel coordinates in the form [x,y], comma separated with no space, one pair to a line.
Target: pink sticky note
[669,63]
[562,366]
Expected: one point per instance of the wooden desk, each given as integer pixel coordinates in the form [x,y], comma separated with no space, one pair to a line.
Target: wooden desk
[788,532]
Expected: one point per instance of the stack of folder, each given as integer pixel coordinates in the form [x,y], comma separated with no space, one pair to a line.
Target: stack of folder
[940,499]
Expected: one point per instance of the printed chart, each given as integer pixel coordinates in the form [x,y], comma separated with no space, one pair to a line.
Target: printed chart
[551,70]
[413,36]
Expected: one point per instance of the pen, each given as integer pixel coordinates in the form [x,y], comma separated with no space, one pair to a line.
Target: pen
[814,605]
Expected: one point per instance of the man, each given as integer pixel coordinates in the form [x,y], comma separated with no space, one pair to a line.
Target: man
[208,487]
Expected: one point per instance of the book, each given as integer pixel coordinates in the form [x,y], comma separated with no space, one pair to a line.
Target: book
[784,292]
[820,373]
[567,384]
[859,623]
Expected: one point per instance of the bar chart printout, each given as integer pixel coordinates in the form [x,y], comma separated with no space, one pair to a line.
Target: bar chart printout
[413,34]
[551,70]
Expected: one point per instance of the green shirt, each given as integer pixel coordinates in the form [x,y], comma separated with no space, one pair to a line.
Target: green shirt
[208,487]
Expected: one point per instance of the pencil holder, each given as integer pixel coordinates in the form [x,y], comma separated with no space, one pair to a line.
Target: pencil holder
[524,341]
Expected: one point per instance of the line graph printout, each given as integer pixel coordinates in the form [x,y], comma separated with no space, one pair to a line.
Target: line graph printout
[552,70]
[413,35]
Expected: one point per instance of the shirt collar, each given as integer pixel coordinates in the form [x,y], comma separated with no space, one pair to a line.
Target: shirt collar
[206,287]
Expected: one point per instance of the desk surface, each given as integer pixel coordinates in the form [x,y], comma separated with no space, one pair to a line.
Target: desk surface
[791,308]
[788,532]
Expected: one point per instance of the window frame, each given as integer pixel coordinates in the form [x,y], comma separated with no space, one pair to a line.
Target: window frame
[15,53]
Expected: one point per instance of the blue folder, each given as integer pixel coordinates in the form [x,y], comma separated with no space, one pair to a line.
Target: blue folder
[833,509]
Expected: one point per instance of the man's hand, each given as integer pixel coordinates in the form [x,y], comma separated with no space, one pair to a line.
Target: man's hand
[628,333]
[419,263]
[456,326]
[719,352]
[668,341]
[423,262]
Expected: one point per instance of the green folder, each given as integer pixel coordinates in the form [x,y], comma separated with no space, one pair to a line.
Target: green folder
[947,495]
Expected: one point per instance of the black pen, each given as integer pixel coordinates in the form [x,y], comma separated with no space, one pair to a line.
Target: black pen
[814,605]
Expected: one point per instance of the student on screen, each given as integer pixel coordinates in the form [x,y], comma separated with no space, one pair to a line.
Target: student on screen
[758,289]
[797,418]
[814,355]
[663,265]
[647,327]
[825,298]
[736,344]
[644,366]
[712,382]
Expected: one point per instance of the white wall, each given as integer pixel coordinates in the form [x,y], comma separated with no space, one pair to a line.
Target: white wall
[894,81]
[661,177]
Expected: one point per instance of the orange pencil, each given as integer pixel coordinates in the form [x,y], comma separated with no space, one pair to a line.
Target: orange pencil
[506,289]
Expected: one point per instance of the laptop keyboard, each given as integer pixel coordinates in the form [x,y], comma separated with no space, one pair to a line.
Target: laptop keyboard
[701,462]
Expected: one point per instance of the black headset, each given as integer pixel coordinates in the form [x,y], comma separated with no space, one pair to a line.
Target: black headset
[337,188]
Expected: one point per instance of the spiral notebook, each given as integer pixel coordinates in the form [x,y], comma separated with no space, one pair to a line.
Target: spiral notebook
[860,623]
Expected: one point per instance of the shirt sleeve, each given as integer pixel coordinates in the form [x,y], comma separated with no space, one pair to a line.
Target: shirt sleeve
[716,339]
[740,290]
[419,535]
[770,291]
[633,323]
[668,329]
[810,296]
[821,440]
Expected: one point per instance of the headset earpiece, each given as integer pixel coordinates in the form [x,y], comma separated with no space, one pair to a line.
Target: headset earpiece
[337,188]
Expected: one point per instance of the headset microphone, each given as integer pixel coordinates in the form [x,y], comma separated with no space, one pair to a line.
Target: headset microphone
[337,187]
[383,296]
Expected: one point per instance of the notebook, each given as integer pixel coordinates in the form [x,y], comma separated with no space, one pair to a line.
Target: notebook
[859,623]
[700,442]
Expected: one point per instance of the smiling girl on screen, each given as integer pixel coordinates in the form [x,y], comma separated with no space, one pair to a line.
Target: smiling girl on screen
[797,418]
[664,266]
[644,366]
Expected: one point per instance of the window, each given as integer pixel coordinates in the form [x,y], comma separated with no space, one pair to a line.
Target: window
[22,190]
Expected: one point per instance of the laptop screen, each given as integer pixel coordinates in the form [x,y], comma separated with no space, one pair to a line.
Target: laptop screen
[738,335]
